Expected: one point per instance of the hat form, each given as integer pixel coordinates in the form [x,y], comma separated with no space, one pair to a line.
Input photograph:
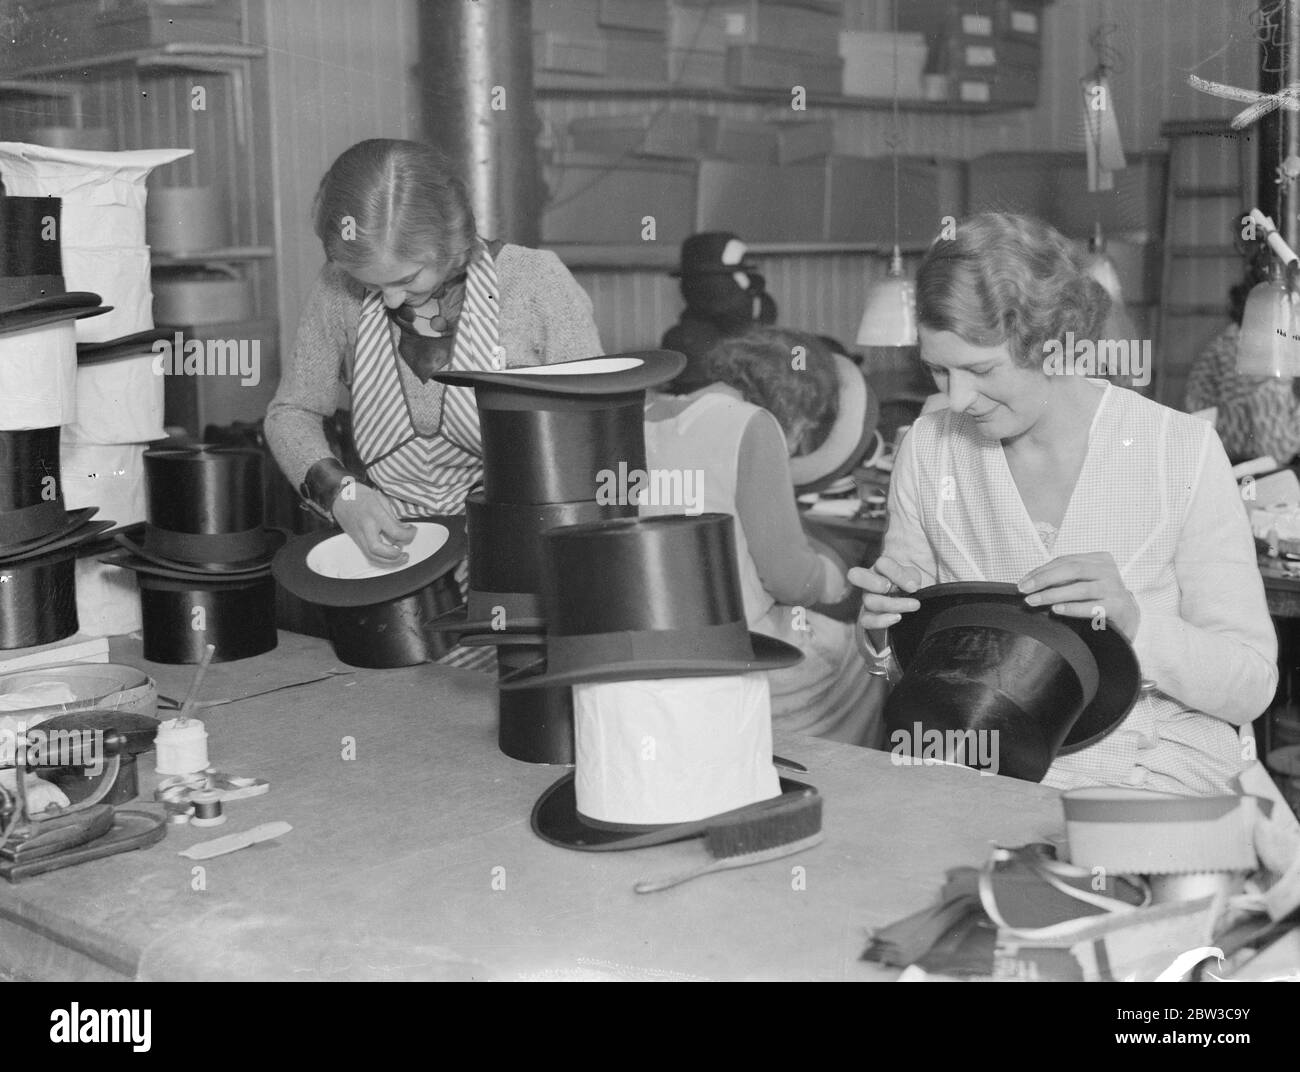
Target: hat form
[979,661]
[850,437]
[378,616]
[533,725]
[714,252]
[670,604]
[506,562]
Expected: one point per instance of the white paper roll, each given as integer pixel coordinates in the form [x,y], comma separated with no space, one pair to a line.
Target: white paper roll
[108,598]
[38,377]
[109,476]
[118,402]
[673,749]
[121,278]
[103,192]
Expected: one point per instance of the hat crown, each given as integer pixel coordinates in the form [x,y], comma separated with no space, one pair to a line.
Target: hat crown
[658,574]
[204,489]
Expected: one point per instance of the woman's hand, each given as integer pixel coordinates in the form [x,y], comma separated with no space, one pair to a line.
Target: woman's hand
[364,514]
[1084,586]
[881,608]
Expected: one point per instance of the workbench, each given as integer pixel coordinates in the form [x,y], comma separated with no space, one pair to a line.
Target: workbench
[415,859]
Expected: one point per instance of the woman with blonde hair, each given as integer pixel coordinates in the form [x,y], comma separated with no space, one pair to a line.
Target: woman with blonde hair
[1095,501]
[410,288]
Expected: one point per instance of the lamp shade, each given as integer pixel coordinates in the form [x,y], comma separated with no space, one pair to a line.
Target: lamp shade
[889,318]
[1269,344]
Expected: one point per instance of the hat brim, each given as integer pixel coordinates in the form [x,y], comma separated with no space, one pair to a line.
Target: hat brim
[652,368]
[457,620]
[138,345]
[769,654]
[76,529]
[127,560]
[502,639]
[555,819]
[850,437]
[275,539]
[290,568]
[1119,673]
[11,321]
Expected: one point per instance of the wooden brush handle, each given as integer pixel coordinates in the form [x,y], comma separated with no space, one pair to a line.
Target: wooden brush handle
[653,885]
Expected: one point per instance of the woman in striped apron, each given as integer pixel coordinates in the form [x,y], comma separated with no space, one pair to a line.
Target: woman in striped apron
[410,289]
[1095,501]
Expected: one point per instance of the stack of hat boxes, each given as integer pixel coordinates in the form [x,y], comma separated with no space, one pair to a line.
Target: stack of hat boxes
[778,180]
[119,395]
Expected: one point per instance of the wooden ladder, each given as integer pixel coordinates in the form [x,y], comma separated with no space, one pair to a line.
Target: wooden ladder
[1187,320]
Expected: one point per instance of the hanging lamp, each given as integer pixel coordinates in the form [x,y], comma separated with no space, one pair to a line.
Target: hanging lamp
[889,315]
[1269,343]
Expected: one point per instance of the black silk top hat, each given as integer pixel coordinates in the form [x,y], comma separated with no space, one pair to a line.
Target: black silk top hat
[714,253]
[851,435]
[33,520]
[651,597]
[506,563]
[976,657]
[140,343]
[377,616]
[205,509]
[32,290]
[549,431]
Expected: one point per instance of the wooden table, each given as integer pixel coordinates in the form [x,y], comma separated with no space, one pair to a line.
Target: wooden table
[415,859]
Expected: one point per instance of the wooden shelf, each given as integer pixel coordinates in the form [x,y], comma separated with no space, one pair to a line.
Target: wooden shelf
[198,57]
[597,88]
[665,256]
[11,87]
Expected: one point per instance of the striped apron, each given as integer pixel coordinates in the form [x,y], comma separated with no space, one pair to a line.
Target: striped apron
[423,474]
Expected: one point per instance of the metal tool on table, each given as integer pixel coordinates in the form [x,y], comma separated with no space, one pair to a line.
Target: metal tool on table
[89,829]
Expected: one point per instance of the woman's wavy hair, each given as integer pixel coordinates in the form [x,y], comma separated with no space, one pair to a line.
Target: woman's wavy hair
[761,364]
[1009,279]
[397,198]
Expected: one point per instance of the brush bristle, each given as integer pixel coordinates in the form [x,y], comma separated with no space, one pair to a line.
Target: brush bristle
[786,820]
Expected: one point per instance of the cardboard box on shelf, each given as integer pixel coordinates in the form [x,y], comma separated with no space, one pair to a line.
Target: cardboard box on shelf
[676,135]
[696,28]
[739,140]
[688,67]
[556,53]
[1002,85]
[1021,20]
[960,55]
[144,25]
[756,67]
[603,199]
[761,202]
[778,25]
[860,192]
[635,57]
[936,18]
[804,139]
[584,18]
[869,64]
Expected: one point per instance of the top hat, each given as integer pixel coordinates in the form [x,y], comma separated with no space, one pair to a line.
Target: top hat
[668,604]
[850,437]
[976,657]
[33,519]
[714,253]
[32,290]
[136,345]
[205,507]
[549,431]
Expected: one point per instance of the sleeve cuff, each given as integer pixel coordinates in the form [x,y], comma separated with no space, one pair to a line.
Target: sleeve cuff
[321,487]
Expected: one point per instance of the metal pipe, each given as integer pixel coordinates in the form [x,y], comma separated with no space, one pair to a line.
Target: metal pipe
[476,78]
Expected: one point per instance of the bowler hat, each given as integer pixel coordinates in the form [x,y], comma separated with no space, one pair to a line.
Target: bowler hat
[712,253]
[549,432]
[976,658]
[647,597]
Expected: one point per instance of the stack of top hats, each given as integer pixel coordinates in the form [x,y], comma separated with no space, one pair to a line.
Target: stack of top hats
[672,709]
[119,405]
[203,558]
[39,541]
[39,538]
[553,435]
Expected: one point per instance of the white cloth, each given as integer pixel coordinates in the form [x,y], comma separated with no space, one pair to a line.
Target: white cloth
[672,750]
[118,402]
[121,279]
[1155,491]
[103,193]
[38,377]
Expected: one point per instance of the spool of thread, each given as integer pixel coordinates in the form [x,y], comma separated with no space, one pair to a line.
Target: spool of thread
[182,749]
[207,808]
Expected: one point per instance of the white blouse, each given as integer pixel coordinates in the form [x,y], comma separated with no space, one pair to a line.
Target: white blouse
[1156,491]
